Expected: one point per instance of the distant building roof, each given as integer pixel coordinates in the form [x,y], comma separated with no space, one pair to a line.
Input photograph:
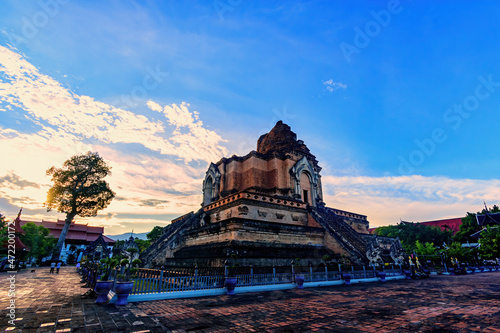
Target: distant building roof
[488,219]
[477,234]
[452,224]
[78,233]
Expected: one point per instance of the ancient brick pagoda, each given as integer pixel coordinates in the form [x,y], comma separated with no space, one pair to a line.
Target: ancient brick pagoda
[267,207]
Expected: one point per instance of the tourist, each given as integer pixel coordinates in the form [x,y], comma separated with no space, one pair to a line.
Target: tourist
[58,267]
[78,267]
[52,266]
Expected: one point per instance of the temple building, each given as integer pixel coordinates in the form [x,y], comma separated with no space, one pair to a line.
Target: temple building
[267,207]
[79,236]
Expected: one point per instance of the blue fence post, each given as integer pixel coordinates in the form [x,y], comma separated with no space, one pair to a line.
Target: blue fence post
[326,273]
[364,271]
[251,275]
[311,272]
[274,275]
[160,284]
[195,277]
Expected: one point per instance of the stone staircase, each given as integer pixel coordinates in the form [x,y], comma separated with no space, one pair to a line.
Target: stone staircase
[341,231]
[169,233]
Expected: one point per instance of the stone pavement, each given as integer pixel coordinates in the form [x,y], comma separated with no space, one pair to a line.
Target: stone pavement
[471,303]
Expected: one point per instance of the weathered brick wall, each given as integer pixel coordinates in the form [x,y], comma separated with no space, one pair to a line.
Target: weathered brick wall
[255,172]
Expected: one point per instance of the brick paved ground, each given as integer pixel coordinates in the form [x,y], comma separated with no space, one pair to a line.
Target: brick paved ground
[52,303]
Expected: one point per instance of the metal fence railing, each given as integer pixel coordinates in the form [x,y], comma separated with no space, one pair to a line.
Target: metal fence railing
[168,280]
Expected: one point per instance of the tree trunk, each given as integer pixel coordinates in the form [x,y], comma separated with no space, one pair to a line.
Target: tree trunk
[62,237]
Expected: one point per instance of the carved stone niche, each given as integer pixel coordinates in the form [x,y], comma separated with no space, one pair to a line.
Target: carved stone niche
[229,214]
[243,210]
[295,217]
[261,213]
[280,216]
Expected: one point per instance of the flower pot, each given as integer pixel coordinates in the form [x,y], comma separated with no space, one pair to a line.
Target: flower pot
[102,289]
[497,268]
[382,275]
[426,271]
[347,278]
[407,274]
[481,269]
[122,290]
[472,270]
[451,270]
[299,279]
[230,284]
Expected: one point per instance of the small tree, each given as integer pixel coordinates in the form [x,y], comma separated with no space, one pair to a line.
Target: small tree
[3,230]
[427,249]
[79,189]
[154,234]
[490,243]
[143,244]
[131,251]
[37,238]
[463,254]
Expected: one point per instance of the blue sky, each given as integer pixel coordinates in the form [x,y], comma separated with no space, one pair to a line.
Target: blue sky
[398,100]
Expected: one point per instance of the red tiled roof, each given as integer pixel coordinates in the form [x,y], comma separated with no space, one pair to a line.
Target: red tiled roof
[452,224]
[76,232]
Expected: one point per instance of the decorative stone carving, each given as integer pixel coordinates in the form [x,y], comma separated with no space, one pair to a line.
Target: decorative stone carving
[295,217]
[242,210]
[261,213]
[280,216]
[229,214]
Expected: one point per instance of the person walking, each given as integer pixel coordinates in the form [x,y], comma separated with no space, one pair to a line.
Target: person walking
[52,266]
[58,267]
[78,267]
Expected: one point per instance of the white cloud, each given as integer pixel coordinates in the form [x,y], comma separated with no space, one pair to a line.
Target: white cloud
[413,198]
[190,138]
[158,181]
[49,104]
[331,86]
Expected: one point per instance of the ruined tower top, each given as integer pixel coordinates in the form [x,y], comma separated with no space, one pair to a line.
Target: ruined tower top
[281,140]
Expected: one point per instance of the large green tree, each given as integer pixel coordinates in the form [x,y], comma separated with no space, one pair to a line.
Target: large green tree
[79,189]
[37,238]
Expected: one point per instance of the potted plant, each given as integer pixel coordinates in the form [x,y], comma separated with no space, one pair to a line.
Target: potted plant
[407,273]
[346,274]
[299,277]
[231,280]
[382,274]
[103,286]
[124,284]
